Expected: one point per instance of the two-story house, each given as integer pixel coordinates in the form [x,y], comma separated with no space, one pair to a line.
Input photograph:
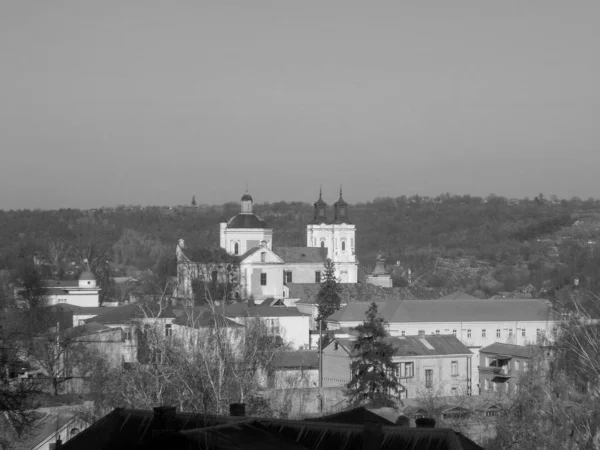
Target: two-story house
[475,322]
[441,363]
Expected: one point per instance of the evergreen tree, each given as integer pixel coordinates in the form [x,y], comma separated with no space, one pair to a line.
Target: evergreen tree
[328,298]
[374,376]
[193,200]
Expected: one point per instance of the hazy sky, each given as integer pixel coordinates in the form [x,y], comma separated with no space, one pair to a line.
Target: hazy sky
[150,102]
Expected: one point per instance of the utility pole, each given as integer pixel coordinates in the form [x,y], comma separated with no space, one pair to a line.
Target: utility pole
[320,366]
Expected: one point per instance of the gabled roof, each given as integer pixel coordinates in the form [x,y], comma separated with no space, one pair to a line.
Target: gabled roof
[304,359]
[245,220]
[520,351]
[459,310]
[253,250]
[297,255]
[432,345]
[243,310]
[125,429]
[127,313]
[203,318]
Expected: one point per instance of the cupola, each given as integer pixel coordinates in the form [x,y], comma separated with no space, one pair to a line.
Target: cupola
[320,209]
[87,280]
[246,203]
[340,210]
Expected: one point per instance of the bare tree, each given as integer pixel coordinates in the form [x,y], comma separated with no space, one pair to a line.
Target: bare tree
[56,252]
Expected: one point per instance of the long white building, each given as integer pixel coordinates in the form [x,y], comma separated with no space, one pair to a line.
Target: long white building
[476,323]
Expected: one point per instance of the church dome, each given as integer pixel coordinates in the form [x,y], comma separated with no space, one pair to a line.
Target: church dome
[246,221]
[87,276]
[247,198]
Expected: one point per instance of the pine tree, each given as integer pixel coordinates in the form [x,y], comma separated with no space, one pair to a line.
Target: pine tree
[328,298]
[373,372]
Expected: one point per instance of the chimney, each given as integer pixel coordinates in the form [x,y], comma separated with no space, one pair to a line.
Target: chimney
[164,417]
[372,436]
[56,445]
[237,409]
[425,422]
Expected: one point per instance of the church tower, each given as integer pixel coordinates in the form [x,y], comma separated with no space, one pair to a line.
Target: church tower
[338,236]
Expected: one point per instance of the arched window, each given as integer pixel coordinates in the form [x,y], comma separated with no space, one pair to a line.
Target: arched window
[322,244]
[343,246]
[74,431]
[236,248]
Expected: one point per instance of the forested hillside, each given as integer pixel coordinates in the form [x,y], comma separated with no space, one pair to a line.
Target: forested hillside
[483,245]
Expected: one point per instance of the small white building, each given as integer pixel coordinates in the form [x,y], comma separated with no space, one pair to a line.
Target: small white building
[286,322]
[83,292]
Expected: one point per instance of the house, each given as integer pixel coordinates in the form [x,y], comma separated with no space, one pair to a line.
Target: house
[475,322]
[294,370]
[439,362]
[166,428]
[49,429]
[286,322]
[501,365]
[82,292]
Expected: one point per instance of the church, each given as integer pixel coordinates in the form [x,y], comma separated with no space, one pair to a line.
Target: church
[261,271]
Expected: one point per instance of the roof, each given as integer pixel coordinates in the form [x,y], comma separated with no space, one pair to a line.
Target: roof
[209,255]
[458,295]
[87,275]
[246,220]
[521,351]
[459,310]
[246,197]
[297,359]
[438,345]
[127,313]
[124,429]
[243,310]
[80,310]
[86,329]
[302,254]
[203,318]
[45,424]
[358,415]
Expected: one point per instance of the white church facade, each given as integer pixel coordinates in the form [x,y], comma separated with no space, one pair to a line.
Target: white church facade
[263,271]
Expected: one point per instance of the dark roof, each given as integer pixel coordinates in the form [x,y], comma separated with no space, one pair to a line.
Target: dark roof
[125,429]
[248,252]
[246,220]
[302,254]
[458,310]
[86,329]
[246,197]
[297,359]
[87,276]
[81,310]
[243,310]
[521,351]
[358,415]
[444,344]
[127,313]
[203,318]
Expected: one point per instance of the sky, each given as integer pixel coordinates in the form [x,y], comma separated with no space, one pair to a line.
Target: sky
[149,102]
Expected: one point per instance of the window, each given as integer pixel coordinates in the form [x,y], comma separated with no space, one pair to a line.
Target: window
[428,378]
[409,369]
[498,333]
[523,332]
[525,366]
[454,368]
[236,248]
[214,276]
[421,333]
[486,385]
[510,333]
[128,335]
[403,333]
[322,244]
[263,279]
[454,332]
[437,331]
[273,327]
[317,276]
[517,364]
[483,333]
[288,276]
[468,333]
[343,246]
[263,256]
[168,330]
